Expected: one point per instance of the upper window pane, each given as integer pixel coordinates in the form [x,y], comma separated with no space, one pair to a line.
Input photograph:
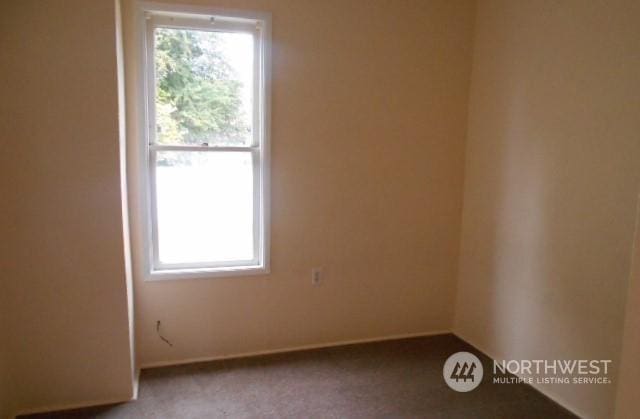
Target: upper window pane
[204,87]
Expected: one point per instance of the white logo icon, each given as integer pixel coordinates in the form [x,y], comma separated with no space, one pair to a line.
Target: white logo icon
[462,371]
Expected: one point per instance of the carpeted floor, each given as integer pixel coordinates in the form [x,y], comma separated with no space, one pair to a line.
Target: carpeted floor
[393,379]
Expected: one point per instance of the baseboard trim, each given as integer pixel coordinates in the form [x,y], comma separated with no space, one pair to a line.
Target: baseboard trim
[70,406]
[80,405]
[194,360]
[544,392]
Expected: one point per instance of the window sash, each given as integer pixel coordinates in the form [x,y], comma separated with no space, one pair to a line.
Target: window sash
[168,147]
[257,222]
[222,24]
[256,148]
[204,23]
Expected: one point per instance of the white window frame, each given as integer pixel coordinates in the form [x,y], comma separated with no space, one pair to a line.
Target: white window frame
[152,15]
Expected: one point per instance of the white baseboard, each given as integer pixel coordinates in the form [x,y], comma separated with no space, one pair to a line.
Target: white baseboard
[70,406]
[290,349]
[536,387]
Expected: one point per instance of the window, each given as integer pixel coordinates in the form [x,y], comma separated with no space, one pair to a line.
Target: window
[205,152]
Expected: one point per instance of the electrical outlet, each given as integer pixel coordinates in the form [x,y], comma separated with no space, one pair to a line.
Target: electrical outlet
[316,276]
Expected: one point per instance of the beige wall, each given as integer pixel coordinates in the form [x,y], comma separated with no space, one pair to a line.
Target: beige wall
[6,396]
[628,383]
[552,171]
[368,125]
[63,276]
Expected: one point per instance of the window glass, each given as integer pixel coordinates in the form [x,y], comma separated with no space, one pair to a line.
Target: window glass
[204,87]
[204,206]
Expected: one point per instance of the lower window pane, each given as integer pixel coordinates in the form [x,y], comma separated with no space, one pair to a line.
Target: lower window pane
[204,206]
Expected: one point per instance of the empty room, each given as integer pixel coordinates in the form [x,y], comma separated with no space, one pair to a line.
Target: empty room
[320,209]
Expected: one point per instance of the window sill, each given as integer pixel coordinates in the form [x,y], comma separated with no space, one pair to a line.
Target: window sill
[206,273]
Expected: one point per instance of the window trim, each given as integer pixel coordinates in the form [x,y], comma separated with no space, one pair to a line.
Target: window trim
[151,15]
